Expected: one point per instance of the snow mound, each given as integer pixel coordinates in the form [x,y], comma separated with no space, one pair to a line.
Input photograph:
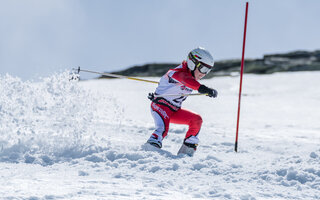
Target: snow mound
[51,120]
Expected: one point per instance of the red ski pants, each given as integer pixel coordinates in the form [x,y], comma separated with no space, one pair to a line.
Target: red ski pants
[163,116]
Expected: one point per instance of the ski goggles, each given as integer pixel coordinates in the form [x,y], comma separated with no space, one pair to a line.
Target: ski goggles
[202,67]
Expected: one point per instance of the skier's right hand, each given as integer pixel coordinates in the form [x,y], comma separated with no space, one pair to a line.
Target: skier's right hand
[209,91]
[151,96]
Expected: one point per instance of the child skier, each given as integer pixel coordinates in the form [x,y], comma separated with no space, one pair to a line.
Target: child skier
[167,109]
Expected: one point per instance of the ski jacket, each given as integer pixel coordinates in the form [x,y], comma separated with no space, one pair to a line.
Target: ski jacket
[176,81]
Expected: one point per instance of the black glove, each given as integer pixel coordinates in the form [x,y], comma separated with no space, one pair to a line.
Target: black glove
[151,96]
[210,92]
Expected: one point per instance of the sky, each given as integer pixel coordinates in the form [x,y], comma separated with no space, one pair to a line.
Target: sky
[42,37]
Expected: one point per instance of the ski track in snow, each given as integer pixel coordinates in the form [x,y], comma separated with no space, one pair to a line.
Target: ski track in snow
[62,139]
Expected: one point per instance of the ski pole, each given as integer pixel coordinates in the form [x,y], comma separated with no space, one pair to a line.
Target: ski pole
[165,95]
[135,79]
[116,76]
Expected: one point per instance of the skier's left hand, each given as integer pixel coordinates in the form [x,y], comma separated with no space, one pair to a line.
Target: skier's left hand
[213,93]
[210,92]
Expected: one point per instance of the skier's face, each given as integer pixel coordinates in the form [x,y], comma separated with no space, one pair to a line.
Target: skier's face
[198,75]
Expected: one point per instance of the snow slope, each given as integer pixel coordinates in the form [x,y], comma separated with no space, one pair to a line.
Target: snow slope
[62,139]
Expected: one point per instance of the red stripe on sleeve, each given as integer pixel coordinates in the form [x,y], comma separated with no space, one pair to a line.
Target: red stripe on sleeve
[186,78]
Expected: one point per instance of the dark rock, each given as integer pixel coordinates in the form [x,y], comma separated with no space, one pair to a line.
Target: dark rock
[292,61]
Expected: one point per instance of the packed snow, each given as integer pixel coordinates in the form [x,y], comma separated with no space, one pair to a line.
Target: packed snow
[68,139]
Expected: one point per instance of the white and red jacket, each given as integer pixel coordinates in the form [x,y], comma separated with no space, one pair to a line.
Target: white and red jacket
[176,81]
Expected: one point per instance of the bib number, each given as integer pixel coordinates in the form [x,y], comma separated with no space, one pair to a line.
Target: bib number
[179,100]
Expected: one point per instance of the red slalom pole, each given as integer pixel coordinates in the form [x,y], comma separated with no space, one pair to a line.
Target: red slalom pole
[241,74]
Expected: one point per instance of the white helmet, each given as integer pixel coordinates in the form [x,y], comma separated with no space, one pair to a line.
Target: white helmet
[201,59]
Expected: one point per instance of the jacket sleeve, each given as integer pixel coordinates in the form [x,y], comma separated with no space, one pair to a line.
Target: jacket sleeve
[186,79]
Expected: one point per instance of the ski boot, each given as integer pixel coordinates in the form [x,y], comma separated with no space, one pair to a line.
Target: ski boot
[155,140]
[189,146]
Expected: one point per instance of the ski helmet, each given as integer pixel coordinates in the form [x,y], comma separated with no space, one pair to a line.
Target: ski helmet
[201,59]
